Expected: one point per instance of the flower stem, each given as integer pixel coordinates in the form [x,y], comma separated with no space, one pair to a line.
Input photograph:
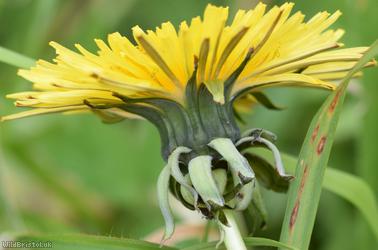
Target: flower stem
[232,237]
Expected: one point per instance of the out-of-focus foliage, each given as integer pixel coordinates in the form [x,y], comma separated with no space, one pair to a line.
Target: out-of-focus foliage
[74,174]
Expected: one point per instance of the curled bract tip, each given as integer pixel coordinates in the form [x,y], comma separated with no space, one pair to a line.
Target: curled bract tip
[239,165]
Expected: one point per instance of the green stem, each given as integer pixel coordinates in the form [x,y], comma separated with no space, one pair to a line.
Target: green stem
[232,237]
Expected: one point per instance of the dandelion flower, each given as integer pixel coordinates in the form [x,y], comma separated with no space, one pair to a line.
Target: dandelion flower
[188,82]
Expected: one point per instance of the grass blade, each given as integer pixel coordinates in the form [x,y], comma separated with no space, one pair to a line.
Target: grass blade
[304,191]
[356,191]
[349,187]
[41,21]
[85,242]
[249,241]
[15,59]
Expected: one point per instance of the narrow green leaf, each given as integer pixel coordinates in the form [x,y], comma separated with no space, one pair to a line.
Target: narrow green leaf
[356,191]
[249,241]
[85,242]
[304,191]
[15,59]
[42,19]
[349,187]
[267,175]
[265,101]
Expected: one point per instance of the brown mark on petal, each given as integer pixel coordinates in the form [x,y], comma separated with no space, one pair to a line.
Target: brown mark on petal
[321,144]
[315,133]
[56,85]
[334,102]
[94,75]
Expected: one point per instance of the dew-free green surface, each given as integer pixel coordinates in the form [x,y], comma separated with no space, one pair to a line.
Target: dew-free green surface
[304,192]
[114,168]
[350,187]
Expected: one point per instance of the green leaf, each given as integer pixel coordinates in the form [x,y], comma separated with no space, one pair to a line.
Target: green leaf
[249,241]
[304,191]
[356,191]
[15,59]
[39,25]
[349,187]
[265,101]
[267,175]
[85,242]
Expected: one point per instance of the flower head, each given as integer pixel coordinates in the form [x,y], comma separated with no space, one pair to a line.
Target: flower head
[285,51]
[188,83]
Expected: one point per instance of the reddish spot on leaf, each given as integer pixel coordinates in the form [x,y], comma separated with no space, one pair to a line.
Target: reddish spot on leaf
[294,215]
[315,133]
[334,102]
[321,144]
[303,181]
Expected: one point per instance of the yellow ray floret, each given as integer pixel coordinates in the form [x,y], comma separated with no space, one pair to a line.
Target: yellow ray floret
[287,51]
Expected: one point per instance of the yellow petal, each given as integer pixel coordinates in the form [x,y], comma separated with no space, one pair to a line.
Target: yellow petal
[290,79]
[40,111]
[288,51]
[216,88]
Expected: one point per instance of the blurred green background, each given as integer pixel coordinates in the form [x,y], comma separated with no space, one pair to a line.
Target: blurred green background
[75,174]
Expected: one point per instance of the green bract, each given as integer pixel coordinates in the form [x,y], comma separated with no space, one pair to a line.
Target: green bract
[206,168]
